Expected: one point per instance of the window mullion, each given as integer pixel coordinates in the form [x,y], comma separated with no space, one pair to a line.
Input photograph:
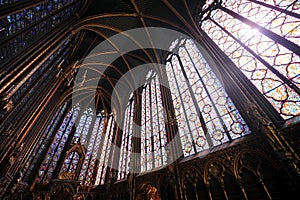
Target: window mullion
[55,150]
[130,121]
[145,126]
[151,124]
[124,139]
[296,15]
[284,42]
[204,128]
[106,134]
[183,105]
[282,77]
[92,149]
[210,98]
[45,137]
[100,150]
[106,153]
[97,138]
[158,123]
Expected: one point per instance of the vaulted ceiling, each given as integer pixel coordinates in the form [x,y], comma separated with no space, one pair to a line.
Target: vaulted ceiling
[106,18]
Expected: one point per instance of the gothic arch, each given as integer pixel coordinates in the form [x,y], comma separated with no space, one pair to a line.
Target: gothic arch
[193,184]
[217,168]
[260,177]
[191,174]
[216,176]
[242,162]
[77,148]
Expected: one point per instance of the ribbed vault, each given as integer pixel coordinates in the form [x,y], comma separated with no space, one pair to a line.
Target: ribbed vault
[109,17]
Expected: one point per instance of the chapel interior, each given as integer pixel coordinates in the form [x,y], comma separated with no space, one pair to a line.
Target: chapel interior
[149,99]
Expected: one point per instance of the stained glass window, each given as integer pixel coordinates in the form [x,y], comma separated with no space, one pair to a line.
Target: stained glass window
[26,91]
[126,144]
[91,154]
[71,163]
[83,127]
[94,134]
[41,145]
[4,2]
[205,114]
[153,132]
[81,134]
[50,65]
[105,151]
[53,154]
[262,39]
[20,29]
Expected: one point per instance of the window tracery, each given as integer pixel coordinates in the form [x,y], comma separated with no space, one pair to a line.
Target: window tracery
[126,144]
[54,152]
[153,131]
[205,113]
[21,29]
[94,135]
[262,39]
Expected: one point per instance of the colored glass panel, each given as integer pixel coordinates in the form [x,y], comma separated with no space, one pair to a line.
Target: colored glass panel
[269,65]
[50,161]
[124,161]
[21,29]
[198,96]
[153,135]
